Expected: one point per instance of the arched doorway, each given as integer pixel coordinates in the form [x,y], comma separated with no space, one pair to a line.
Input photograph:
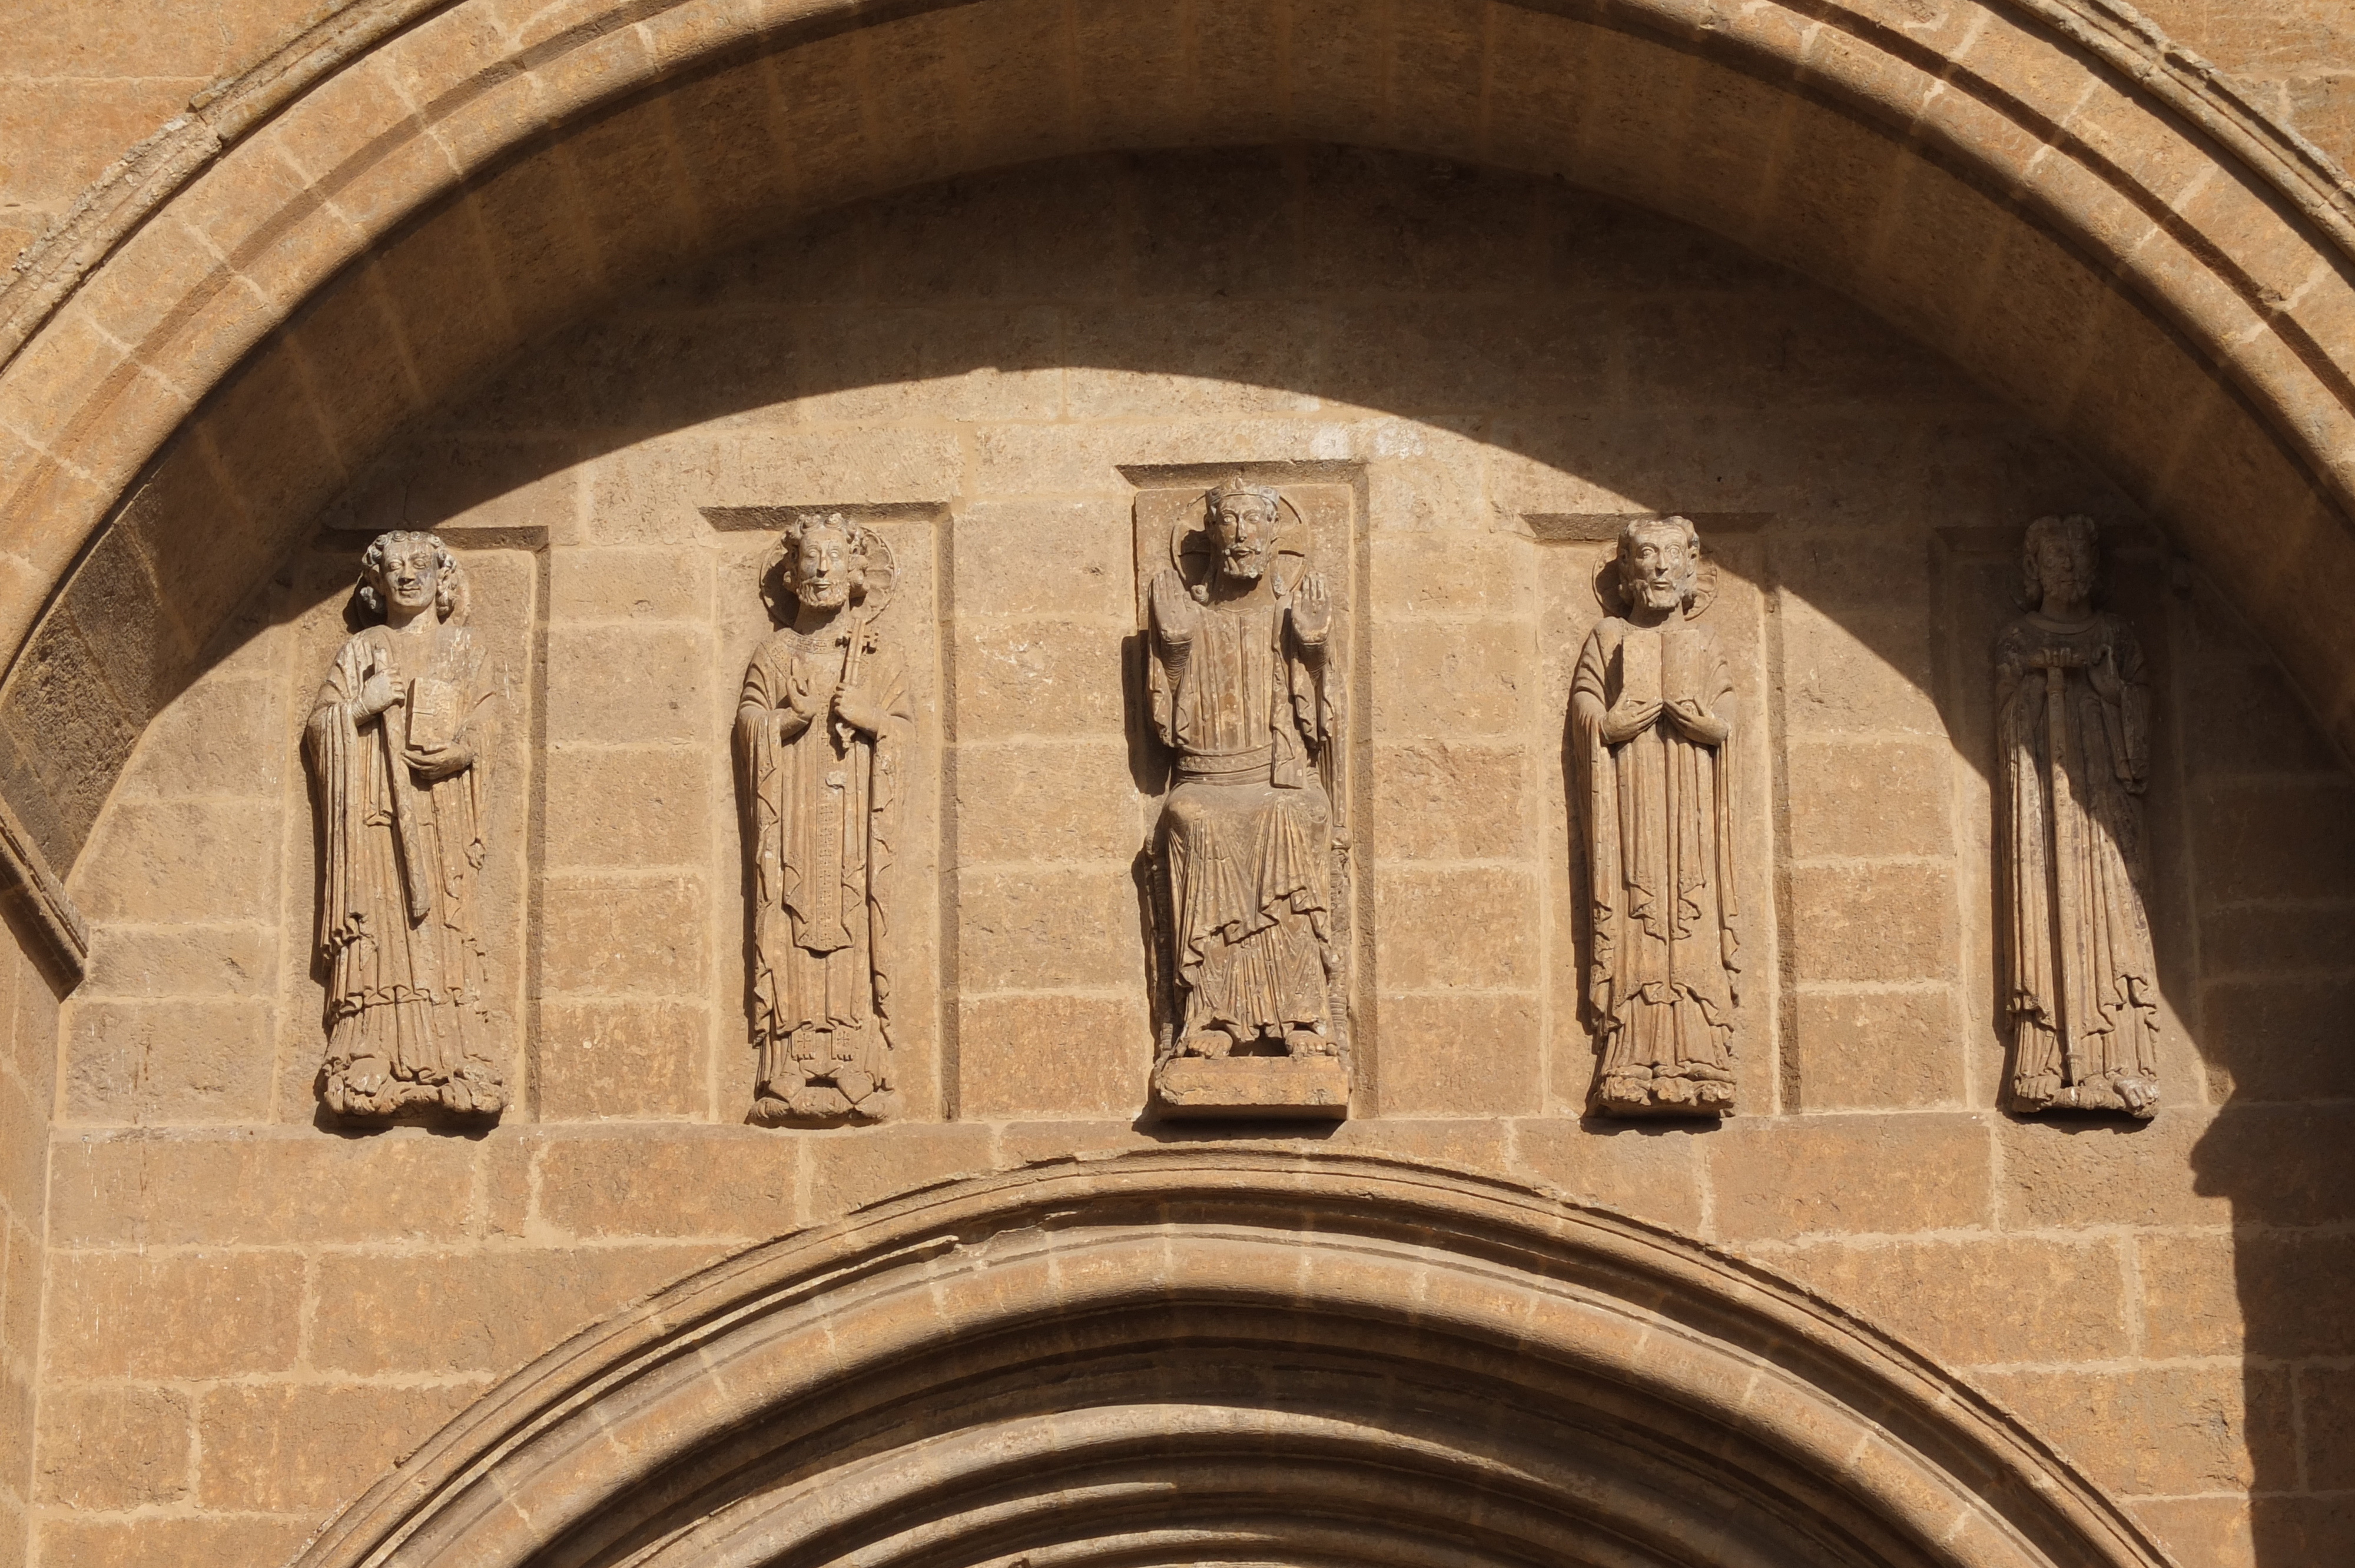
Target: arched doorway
[1184,1357]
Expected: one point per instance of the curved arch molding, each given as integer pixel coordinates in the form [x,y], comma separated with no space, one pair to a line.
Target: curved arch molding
[247,308]
[1235,1356]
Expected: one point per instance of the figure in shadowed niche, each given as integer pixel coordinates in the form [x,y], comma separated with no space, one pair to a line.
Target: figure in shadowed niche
[2073,717]
[1238,687]
[396,742]
[1651,716]
[823,728]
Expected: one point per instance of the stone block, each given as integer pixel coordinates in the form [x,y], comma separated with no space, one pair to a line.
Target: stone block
[2244,940]
[1889,922]
[128,962]
[120,1446]
[309,1447]
[1861,1174]
[1461,1054]
[1038,677]
[1251,1088]
[2158,1431]
[1858,671]
[2275,839]
[851,1170]
[1448,927]
[1977,1302]
[1048,800]
[450,1314]
[2211,1531]
[617,936]
[676,1182]
[291,1187]
[623,1059]
[217,737]
[169,860]
[628,583]
[1044,559]
[2191,1295]
[1652,1170]
[182,1315]
[1442,799]
[1468,1143]
[1455,679]
[1050,929]
[162,1063]
[2326,1405]
[163,1541]
[1456,571]
[1049,1056]
[1878,1050]
[2280,1040]
[1186,360]
[2302,1529]
[629,808]
[1876,798]
[621,683]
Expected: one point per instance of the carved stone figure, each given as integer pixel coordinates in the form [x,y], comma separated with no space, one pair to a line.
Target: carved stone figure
[2072,720]
[396,742]
[1651,716]
[1237,680]
[822,728]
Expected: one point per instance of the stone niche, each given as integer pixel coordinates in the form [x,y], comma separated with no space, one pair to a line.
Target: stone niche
[1473,380]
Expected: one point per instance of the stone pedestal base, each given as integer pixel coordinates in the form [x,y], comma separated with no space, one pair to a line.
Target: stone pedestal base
[1263,1089]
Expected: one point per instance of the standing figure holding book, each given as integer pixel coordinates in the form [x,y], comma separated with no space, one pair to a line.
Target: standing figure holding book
[2073,717]
[396,741]
[824,726]
[1651,716]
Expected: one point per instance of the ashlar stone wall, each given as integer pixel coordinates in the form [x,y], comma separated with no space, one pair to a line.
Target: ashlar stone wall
[250,1311]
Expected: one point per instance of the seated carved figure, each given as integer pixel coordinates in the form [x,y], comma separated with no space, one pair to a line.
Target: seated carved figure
[1238,691]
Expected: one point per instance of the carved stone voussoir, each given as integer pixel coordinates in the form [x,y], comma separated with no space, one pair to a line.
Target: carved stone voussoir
[1243,693]
[398,741]
[1651,721]
[2073,726]
[823,730]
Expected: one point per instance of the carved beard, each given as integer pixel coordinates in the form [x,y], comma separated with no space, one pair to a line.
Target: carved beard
[1248,562]
[824,596]
[1656,595]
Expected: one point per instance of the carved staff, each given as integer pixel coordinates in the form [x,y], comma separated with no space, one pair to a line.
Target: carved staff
[414,881]
[2070,969]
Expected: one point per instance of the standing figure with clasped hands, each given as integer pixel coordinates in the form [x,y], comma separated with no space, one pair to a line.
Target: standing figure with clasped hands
[1238,690]
[2072,719]
[1651,714]
[396,742]
[822,726]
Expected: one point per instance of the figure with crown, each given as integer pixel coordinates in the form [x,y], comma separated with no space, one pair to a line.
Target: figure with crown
[1238,686]
[822,728]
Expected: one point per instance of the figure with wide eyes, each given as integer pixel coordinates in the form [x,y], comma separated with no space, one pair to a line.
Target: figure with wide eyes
[396,742]
[2073,717]
[1651,718]
[1238,692]
[823,728]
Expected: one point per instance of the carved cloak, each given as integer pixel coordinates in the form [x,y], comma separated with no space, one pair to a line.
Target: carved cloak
[406,969]
[2081,981]
[1665,971]
[825,818]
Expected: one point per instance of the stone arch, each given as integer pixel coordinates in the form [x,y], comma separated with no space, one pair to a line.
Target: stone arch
[1183,1355]
[257,301]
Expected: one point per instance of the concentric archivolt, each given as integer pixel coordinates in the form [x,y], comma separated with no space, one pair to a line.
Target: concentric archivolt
[1180,1357]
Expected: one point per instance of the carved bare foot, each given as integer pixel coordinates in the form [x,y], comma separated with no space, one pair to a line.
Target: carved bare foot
[1206,1042]
[877,1105]
[819,1102]
[855,1084]
[1305,1042]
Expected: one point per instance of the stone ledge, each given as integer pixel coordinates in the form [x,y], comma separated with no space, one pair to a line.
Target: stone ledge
[1258,1088]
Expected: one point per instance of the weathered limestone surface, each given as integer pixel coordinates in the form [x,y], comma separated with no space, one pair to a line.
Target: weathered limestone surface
[249,1315]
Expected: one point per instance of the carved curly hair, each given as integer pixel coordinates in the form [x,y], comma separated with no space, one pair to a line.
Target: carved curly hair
[2077,530]
[854,542]
[372,570]
[1688,580]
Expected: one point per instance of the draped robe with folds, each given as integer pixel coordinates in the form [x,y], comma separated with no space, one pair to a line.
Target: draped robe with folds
[1665,971]
[823,816]
[1246,836]
[2081,983]
[407,991]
